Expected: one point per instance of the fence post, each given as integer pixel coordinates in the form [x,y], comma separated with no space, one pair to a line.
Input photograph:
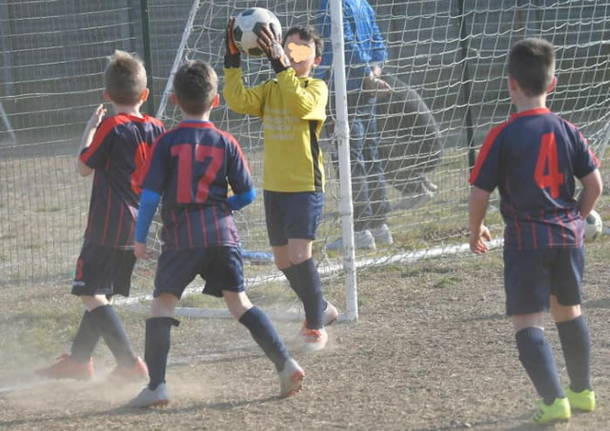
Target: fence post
[147,54]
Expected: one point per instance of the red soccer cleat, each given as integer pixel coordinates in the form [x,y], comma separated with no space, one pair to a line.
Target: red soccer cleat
[135,373]
[68,368]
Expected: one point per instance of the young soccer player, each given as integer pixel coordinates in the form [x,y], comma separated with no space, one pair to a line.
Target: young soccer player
[292,107]
[533,159]
[115,149]
[191,167]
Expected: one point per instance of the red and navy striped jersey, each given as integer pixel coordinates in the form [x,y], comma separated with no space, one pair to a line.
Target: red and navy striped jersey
[191,167]
[534,159]
[118,153]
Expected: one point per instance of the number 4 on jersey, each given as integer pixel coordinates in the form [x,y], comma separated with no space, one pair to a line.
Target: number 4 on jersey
[547,173]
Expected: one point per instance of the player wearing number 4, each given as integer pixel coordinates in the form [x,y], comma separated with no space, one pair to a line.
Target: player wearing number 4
[116,149]
[191,167]
[534,159]
[292,107]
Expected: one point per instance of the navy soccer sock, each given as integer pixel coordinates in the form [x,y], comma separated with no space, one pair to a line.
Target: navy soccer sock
[311,288]
[111,328]
[292,274]
[576,345]
[85,340]
[157,343]
[536,355]
[266,336]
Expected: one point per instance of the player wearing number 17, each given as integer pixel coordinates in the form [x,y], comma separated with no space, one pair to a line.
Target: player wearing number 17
[191,167]
[534,159]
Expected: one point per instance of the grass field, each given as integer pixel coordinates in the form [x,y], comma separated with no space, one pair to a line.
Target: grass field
[431,351]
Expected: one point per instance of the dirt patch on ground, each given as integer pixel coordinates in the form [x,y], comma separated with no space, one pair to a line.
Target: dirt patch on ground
[431,351]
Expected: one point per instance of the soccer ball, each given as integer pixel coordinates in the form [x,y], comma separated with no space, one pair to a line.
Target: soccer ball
[593,226]
[247,24]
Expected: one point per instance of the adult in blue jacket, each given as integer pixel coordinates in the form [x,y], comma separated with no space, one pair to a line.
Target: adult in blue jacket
[365,52]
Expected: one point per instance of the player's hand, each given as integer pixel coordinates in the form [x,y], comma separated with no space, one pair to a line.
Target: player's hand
[97,117]
[478,244]
[140,251]
[229,41]
[271,45]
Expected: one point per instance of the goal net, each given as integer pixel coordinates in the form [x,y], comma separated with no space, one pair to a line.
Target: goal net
[446,65]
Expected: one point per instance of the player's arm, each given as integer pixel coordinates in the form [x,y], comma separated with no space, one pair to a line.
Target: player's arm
[239,98]
[149,200]
[238,201]
[152,189]
[592,187]
[477,208]
[87,139]
[239,177]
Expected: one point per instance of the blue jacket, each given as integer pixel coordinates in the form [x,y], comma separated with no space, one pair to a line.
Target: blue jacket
[364,44]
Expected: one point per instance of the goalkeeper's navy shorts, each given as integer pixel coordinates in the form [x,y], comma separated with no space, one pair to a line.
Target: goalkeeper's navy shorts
[221,267]
[292,215]
[102,270]
[531,276]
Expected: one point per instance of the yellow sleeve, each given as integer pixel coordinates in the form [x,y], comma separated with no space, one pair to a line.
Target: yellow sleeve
[307,102]
[240,99]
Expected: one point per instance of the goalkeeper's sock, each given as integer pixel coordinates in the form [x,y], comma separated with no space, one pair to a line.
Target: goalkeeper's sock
[536,355]
[85,340]
[156,348]
[576,345]
[265,335]
[311,288]
[292,274]
[111,328]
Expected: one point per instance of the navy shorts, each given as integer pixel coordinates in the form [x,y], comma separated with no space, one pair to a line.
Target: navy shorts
[531,276]
[102,270]
[292,215]
[221,268]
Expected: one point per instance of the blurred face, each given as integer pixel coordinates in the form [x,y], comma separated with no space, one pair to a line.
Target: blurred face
[302,54]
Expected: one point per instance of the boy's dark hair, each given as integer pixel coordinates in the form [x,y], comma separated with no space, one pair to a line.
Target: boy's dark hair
[125,78]
[531,63]
[308,34]
[195,86]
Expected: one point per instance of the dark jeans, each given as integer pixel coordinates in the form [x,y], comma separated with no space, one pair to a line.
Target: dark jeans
[370,200]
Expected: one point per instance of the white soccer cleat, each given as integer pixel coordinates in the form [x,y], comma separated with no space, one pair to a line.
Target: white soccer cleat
[363,240]
[382,235]
[291,378]
[151,398]
[313,340]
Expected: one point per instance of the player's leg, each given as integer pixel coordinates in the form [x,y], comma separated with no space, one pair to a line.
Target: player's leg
[275,219]
[175,270]
[157,342]
[108,322]
[89,279]
[527,285]
[572,328]
[264,333]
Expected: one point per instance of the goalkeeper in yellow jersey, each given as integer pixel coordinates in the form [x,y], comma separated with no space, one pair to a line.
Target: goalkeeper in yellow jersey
[292,107]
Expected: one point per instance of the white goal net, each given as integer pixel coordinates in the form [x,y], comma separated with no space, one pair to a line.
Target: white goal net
[446,65]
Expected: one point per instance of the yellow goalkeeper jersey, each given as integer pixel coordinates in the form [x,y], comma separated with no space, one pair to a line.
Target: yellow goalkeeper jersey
[293,111]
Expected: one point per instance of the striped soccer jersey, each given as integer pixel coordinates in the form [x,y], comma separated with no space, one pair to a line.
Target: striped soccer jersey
[533,159]
[118,153]
[191,167]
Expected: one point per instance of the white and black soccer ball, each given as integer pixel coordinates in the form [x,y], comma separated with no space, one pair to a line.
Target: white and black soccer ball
[593,226]
[246,26]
